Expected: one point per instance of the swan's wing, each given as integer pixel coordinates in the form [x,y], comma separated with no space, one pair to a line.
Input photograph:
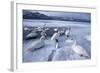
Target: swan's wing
[36,44]
[77,49]
[80,50]
[32,34]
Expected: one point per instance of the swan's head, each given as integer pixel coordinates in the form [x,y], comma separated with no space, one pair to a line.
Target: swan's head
[56,29]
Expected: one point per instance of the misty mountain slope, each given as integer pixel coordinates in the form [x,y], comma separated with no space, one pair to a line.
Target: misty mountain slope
[64,16]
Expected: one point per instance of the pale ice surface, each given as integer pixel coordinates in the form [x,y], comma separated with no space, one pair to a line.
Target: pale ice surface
[81,31]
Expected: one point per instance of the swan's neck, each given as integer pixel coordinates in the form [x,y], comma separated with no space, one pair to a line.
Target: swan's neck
[42,38]
[74,44]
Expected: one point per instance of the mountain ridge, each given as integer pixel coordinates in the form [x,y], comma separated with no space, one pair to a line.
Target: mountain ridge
[37,15]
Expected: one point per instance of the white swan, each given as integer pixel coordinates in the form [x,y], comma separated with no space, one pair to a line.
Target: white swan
[26,29]
[88,37]
[37,45]
[68,32]
[32,34]
[79,50]
[55,37]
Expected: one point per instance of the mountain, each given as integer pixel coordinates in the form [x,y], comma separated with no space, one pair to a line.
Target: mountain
[80,17]
[35,15]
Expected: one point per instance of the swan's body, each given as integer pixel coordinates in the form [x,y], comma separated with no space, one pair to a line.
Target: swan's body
[67,32]
[36,45]
[88,37]
[79,50]
[32,34]
[26,29]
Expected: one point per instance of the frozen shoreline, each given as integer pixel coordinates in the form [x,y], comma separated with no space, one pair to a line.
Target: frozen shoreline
[79,30]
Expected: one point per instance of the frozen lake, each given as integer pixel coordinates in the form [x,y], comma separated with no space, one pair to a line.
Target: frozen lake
[81,31]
